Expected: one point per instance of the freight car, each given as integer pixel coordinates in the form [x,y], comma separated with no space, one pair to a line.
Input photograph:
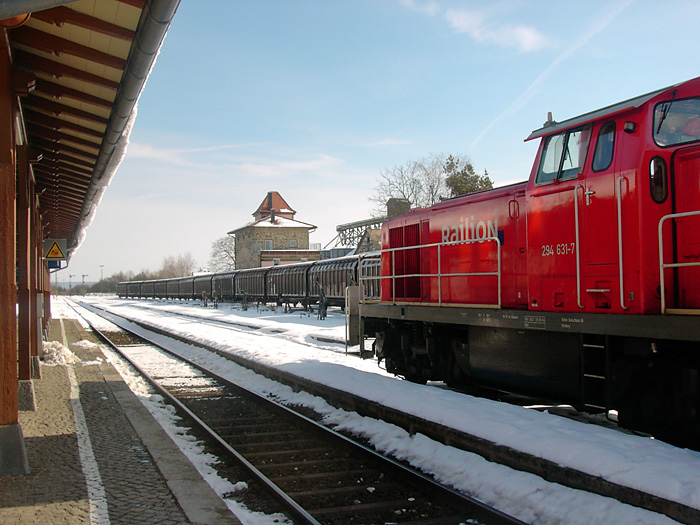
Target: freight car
[288,283]
[333,276]
[133,289]
[295,283]
[201,286]
[222,286]
[148,289]
[581,284]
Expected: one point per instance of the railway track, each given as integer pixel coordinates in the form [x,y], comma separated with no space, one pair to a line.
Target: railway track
[491,451]
[315,475]
[538,404]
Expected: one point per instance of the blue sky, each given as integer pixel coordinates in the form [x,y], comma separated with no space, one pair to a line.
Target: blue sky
[313,98]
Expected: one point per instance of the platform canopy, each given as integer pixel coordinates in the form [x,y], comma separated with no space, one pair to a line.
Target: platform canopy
[79,68]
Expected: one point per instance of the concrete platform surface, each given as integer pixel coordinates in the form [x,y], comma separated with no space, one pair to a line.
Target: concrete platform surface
[113,464]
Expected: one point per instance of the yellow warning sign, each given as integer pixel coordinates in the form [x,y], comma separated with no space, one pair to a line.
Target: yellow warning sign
[54,249]
[55,252]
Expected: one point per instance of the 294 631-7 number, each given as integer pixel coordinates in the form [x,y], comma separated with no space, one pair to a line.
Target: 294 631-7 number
[558,249]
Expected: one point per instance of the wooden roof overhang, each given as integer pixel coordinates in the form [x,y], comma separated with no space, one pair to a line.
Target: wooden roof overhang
[84,65]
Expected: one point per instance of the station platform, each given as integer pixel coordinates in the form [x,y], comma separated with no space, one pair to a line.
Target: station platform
[96,455]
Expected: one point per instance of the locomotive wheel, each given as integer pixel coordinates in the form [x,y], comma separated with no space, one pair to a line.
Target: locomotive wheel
[414,375]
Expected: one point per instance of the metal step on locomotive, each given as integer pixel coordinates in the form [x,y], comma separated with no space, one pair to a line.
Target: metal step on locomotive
[581,284]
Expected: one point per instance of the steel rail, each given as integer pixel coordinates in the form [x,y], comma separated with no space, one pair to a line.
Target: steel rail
[395,468]
[296,511]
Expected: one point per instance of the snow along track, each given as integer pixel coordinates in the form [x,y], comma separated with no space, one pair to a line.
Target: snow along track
[341,481]
[594,482]
[339,346]
[336,344]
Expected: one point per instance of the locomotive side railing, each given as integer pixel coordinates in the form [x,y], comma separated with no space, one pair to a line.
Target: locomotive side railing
[578,252]
[621,268]
[662,264]
[369,282]
[440,275]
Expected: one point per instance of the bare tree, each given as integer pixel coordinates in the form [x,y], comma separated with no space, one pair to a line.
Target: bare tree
[223,255]
[180,266]
[432,179]
[401,182]
[428,180]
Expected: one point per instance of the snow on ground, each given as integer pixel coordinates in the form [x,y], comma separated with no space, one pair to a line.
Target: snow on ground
[57,354]
[296,343]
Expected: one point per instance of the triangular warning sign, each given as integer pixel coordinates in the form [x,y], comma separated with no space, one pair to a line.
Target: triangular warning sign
[55,252]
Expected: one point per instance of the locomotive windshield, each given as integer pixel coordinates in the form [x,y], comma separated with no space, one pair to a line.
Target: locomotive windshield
[564,155]
[677,122]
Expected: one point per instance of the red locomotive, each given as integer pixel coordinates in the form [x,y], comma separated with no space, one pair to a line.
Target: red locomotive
[581,284]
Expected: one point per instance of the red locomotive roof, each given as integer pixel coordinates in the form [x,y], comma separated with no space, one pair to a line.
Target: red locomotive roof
[476,196]
[556,127]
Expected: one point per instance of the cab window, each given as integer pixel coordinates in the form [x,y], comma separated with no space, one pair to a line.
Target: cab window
[563,155]
[604,147]
[677,122]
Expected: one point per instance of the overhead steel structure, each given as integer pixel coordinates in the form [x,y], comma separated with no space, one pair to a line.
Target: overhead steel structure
[349,234]
[71,74]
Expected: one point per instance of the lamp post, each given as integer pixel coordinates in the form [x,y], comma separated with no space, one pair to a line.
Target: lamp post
[102,276]
[70,284]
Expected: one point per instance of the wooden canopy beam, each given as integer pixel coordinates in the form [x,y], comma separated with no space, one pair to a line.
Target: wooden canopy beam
[48,43]
[63,15]
[57,109]
[40,64]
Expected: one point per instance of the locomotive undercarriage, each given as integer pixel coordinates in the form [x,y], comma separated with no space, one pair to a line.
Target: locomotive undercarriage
[654,385]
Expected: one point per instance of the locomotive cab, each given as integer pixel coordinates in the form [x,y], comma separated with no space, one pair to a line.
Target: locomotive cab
[611,205]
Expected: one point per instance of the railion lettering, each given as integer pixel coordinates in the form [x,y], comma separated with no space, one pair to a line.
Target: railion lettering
[470,230]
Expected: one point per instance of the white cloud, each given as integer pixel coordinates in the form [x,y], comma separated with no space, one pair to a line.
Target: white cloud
[390,142]
[482,27]
[478,25]
[464,21]
[177,156]
[137,150]
[321,164]
[428,8]
[524,37]
[245,165]
[221,147]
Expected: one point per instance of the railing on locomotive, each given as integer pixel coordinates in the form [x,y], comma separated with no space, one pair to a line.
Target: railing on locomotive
[662,264]
[440,276]
[364,277]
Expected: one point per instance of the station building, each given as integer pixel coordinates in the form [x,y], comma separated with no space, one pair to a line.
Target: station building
[274,237]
